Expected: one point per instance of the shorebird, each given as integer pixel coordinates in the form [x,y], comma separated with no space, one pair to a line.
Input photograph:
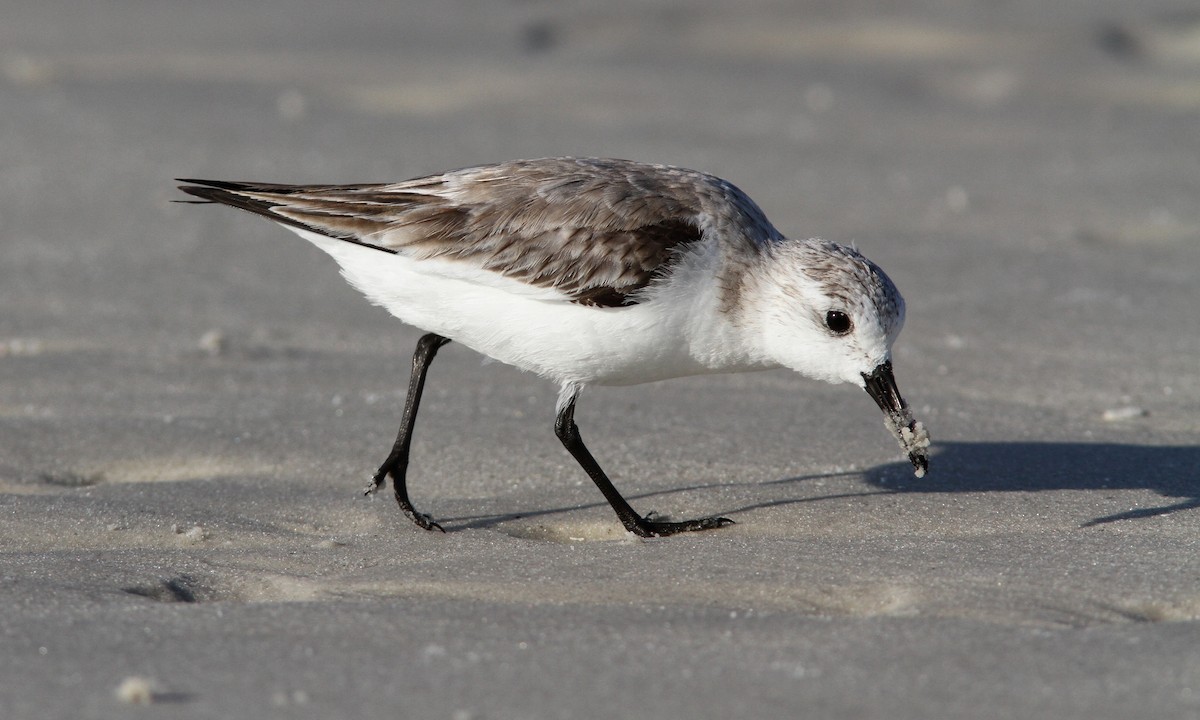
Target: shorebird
[593,271]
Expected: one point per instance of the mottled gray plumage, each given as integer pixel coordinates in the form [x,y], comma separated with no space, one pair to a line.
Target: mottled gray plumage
[596,230]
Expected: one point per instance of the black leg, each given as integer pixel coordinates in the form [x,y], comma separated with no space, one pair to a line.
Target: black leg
[396,464]
[568,432]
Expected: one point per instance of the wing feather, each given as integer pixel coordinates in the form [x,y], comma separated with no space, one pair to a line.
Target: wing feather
[596,231]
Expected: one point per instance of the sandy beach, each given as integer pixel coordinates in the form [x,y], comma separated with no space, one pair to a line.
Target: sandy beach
[192,399]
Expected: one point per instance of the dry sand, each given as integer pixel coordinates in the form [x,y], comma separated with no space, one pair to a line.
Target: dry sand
[191,399]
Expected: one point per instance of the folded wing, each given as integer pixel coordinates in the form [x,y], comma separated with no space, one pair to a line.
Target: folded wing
[595,231]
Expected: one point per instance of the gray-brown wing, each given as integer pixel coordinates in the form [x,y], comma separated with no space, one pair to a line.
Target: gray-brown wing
[596,231]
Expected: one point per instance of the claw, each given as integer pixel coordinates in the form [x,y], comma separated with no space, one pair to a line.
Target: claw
[423,521]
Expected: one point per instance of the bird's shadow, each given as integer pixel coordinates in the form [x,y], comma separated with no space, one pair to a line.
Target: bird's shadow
[1172,471]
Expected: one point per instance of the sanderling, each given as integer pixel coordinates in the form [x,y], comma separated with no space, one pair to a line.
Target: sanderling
[597,272]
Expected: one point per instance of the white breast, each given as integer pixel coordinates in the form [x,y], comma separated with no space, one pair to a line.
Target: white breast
[679,331]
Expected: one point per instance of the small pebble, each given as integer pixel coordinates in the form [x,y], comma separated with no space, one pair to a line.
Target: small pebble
[1129,412]
[193,534]
[213,343]
[136,690]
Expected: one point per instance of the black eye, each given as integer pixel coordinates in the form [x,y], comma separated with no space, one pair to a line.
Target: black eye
[838,322]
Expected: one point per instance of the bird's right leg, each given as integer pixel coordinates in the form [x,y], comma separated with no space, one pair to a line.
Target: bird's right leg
[568,433]
[396,464]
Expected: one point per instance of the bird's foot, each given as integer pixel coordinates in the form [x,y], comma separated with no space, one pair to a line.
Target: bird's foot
[421,519]
[648,527]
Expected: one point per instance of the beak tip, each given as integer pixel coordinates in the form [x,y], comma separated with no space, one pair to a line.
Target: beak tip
[920,463]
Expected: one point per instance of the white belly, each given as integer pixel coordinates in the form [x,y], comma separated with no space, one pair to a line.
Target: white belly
[677,333]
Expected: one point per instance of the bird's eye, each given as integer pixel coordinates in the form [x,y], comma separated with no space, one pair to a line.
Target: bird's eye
[838,322]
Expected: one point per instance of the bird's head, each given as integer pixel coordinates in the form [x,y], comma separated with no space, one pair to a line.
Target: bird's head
[827,312]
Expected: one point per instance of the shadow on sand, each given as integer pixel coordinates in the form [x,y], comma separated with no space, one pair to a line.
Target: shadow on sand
[962,467]
[1170,471]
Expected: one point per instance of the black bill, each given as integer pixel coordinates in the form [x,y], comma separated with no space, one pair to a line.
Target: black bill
[911,434]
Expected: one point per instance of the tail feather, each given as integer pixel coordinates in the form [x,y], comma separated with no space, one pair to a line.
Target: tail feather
[234,194]
[263,199]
